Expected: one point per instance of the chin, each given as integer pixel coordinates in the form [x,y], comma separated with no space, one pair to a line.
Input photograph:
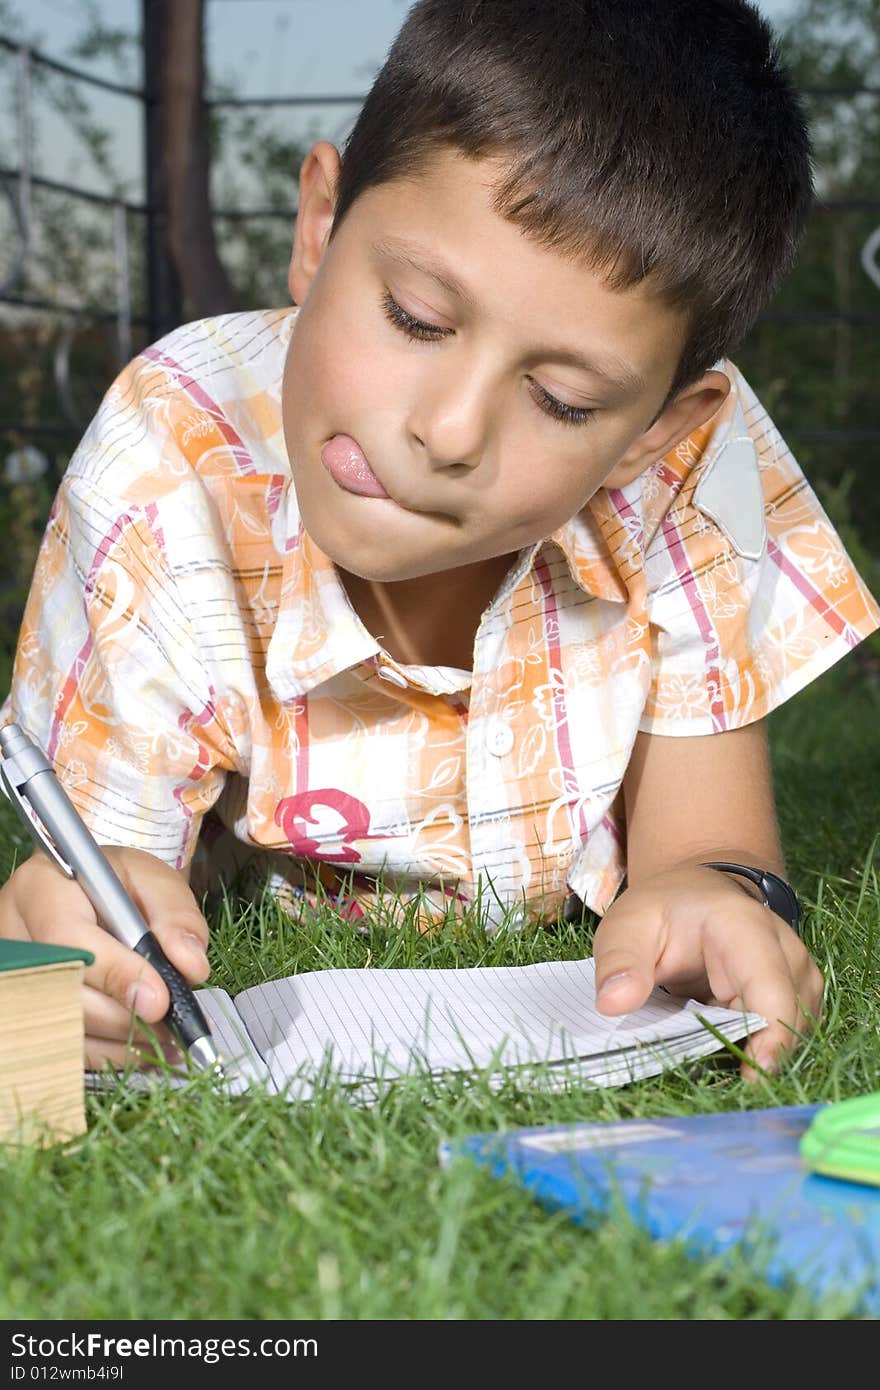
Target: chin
[371,555]
[385,569]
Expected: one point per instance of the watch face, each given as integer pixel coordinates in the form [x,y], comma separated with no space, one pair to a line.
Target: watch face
[781,899]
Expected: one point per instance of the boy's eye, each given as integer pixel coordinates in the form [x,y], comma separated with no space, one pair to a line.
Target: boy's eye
[414,328]
[568,414]
[419,331]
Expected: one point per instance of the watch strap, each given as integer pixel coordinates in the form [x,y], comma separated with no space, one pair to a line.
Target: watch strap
[778,895]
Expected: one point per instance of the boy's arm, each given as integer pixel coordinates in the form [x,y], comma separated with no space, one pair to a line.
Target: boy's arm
[694,797]
[699,932]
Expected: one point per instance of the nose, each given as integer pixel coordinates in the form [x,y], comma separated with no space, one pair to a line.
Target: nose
[452,414]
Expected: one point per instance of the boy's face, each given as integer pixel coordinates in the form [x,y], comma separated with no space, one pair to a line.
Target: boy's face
[453,390]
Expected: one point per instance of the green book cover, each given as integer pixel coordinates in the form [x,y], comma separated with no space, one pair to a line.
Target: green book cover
[25,955]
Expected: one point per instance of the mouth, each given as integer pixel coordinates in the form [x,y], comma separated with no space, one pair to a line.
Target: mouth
[347,465]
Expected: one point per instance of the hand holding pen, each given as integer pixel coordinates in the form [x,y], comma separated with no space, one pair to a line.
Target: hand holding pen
[33,905]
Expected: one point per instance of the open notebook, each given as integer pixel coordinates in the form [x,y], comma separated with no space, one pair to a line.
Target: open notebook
[358,1026]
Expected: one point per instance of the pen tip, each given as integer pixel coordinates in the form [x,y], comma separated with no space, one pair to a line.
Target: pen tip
[205,1056]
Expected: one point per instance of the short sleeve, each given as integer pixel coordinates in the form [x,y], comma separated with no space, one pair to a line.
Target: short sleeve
[110,677]
[750,593]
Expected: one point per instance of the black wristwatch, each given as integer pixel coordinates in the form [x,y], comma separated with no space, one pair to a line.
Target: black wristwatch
[778,895]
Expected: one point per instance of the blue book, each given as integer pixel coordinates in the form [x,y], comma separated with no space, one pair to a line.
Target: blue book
[714,1182]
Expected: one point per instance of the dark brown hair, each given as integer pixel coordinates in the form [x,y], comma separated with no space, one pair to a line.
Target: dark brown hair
[649,138]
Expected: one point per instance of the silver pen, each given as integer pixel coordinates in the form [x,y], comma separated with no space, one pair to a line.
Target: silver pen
[55,824]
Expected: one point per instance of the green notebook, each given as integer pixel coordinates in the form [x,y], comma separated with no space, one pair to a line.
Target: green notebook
[25,955]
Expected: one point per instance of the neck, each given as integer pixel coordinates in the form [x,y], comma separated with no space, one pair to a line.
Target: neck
[430,620]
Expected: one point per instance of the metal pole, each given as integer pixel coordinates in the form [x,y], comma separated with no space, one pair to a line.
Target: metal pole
[25,139]
[21,205]
[164,302]
[123,285]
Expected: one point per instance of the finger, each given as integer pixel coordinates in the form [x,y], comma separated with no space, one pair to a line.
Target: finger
[781,983]
[12,926]
[772,994]
[99,1053]
[168,905]
[807,976]
[106,1019]
[112,1031]
[626,949]
[768,1049]
[59,913]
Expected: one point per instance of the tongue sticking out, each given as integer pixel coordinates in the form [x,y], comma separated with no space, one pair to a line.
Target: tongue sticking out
[346,463]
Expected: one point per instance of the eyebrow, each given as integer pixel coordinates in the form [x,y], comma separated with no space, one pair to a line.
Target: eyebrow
[612,369]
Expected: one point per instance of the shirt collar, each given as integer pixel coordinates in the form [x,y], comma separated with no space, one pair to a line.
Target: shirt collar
[591,544]
[318,634]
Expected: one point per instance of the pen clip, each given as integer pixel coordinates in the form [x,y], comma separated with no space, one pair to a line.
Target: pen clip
[41,836]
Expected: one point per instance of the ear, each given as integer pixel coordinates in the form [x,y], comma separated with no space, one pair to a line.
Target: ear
[688,410]
[318,177]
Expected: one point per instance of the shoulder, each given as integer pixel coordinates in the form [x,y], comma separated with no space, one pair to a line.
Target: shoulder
[203,403]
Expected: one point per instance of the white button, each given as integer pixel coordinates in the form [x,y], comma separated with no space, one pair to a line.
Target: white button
[388,673]
[499,737]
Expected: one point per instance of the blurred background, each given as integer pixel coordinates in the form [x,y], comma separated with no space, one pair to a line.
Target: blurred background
[149,152]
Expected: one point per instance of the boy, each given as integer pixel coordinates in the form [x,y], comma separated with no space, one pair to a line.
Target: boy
[480,571]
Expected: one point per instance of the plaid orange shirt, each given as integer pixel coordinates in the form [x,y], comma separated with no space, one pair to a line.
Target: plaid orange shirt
[187,648]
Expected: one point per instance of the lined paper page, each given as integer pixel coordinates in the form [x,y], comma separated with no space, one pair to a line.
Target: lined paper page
[242,1064]
[388,1022]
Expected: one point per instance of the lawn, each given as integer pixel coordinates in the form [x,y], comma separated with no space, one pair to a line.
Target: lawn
[186,1205]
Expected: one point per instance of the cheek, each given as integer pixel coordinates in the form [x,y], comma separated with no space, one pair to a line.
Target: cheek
[335,366]
[542,490]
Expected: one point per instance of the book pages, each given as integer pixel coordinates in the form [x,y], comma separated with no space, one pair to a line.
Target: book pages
[364,1024]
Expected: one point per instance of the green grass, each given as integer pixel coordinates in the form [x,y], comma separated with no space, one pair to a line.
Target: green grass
[189,1206]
